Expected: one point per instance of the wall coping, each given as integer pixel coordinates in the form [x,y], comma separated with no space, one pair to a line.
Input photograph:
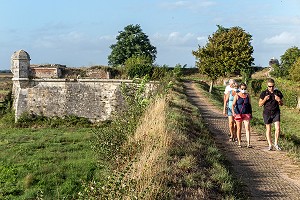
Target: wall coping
[77,80]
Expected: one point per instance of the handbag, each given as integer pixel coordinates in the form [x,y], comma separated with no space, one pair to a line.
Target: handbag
[237,117]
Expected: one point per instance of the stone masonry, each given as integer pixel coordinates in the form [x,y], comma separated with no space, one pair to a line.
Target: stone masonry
[95,99]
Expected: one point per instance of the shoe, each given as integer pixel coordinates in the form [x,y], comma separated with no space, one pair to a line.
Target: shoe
[240,146]
[231,139]
[277,147]
[249,146]
[270,148]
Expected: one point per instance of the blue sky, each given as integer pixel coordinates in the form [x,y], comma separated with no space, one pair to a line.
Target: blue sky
[79,32]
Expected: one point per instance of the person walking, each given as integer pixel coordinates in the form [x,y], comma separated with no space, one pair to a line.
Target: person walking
[271,99]
[227,110]
[242,112]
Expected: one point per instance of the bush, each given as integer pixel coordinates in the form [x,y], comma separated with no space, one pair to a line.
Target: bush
[138,66]
[255,86]
[289,90]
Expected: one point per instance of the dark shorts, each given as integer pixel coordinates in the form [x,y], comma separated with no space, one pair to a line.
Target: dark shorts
[269,119]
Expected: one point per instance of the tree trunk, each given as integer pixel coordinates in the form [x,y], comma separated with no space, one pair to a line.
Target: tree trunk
[211,86]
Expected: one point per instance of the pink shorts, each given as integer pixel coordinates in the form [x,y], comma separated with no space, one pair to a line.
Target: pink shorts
[244,117]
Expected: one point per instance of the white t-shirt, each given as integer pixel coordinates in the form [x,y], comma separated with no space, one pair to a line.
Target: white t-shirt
[227,89]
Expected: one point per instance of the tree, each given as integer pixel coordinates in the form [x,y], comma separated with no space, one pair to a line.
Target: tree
[132,41]
[227,51]
[287,60]
[295,71]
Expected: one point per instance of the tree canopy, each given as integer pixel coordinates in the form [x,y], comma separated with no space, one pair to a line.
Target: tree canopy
[295,70]
[131,42]
[227,51]
[287,60]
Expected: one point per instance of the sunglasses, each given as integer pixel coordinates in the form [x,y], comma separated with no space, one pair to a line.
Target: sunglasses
[271,86]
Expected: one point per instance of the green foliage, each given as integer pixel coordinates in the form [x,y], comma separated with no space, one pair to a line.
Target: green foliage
[228,50]
[290,91]
[159,72]
[255,86]
[110,136]
[246,74]
[27,120]
[138,66]
[287,60]
[5,106]
[132,41]
[277,71]
[295,71]
[178,70]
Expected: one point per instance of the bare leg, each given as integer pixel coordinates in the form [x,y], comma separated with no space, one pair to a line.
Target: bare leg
[277,132]
[234,129]
[231,126]
[239,131]
[247,127]
[268,134]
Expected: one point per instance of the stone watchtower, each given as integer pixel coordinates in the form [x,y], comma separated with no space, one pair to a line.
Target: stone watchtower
[20,64]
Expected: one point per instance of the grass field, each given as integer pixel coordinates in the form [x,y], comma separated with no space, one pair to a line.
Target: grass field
[45,163]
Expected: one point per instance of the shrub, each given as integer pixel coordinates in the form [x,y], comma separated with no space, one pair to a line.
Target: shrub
[255,86]
[138,66]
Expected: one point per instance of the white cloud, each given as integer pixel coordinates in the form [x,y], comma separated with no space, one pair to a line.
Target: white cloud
[283,38]
[178,39]
[190,5]
[73,41]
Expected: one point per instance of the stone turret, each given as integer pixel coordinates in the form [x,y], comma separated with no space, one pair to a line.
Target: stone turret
[20,64]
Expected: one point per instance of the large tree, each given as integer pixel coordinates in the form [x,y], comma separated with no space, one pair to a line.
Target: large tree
[295,71]
[227,51]
[131,42]
[287,60]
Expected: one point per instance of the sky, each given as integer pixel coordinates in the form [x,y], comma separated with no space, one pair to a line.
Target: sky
[78,33]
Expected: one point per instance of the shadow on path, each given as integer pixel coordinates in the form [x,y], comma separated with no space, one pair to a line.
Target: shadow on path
[266,174]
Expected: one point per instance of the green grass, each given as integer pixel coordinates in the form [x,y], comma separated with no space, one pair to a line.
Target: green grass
[45,163]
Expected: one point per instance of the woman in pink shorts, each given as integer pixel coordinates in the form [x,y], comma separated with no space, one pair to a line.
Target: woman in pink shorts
[242,106]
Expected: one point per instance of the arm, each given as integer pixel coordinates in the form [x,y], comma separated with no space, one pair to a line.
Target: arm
[226,98]
[263,101]
[279,100]
[233,104]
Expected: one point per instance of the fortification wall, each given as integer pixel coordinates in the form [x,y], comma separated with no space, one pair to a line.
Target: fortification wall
[95,99]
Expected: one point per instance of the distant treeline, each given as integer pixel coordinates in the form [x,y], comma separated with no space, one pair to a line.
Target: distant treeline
[5,71]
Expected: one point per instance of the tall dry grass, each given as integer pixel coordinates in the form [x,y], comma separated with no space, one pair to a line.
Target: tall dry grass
[150,162]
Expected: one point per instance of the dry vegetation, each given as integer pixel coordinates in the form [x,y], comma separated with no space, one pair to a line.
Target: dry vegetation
[154,142]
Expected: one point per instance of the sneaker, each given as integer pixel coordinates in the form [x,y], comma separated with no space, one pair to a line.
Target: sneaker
[269,148]
[277,147]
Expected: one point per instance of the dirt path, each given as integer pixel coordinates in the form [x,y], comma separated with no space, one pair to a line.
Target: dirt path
[266,174]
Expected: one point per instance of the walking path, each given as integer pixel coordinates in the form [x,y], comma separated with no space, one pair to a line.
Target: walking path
[266,174]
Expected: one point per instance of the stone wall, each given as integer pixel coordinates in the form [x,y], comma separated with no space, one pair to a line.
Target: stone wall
[95,99]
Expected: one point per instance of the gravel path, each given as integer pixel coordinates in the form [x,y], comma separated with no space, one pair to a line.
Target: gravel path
[266,174]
